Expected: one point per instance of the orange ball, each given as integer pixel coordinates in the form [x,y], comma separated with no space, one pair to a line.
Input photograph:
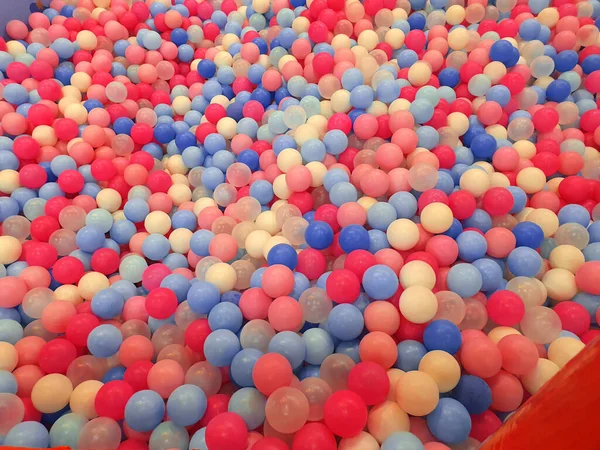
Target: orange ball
[382,316]
[379,348]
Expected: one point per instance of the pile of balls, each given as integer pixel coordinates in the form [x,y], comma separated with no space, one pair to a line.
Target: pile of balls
[293,224]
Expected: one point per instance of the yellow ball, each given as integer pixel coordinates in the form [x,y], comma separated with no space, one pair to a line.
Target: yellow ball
[280,187]
[531,180]
[442,367]
[419,73]
[566,257]
[68,293]
[223,276]
[51,393]
[475,181]
[157,222]
[498,333]
[395,38]
[180,240]
[179,193]
[368,39]
[394,376]
[10,249]
[455,15]
[87,40]
[255,243]
[288,158]
[227,127]
[362,441]
[83,398]
[417,393]
[418,304]
[458,122]
[560,284]
[45,135]
[91,283]
[76,112]
[340,102]
[534,380]
[9,181]
[318,171]
[546,219]
[417,273]
[181,104]
[267,221]
[563,350]
[387,418]
[8,357]
[436,218]
[109,199]
[204,202]
[402,234]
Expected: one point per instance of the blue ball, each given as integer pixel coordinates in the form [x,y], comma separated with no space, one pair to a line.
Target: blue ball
[28,434]
[483,146]
[343,192]
[200,242]
[186,405]
[404,203]
[104,341]
[319,345]
[574,214]
[114,374]
[11,331]
[473,393]
[442,335]
[319,235]
[290,345]
[225,316]
[449,422]
[242,366]
[220,347]
[471,246]
[8,383]
[380,282]
[107,303]
[203,296]
[354,237]
[178,284]
[528,234]
[283,254]
[491,274]
[524,262]
[464,279]
[249,404]
[156,247]
[136,210]
[558,90]
[144,411]
[90,238]
[345,322]
[410,354]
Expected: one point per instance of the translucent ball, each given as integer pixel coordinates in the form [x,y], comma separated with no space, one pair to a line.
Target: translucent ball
[541,324]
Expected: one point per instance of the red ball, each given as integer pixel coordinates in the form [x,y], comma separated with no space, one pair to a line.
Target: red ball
[68,270]
[302,200]
[270,443]
[574,317]
[339,121]
[505,308]
[57,355]
[111,399]
[547,162]
[103,169]
[323,63]
[66,129]
[71,181]
[214,112]
[41,254]
[311,263]
[484,425]
[328,213]
[573,189]
[43,226]
[317,32]
[161,303]
[358,261]
[196,333]
[498,201]
[370,381]
[432,196]
[136,375]
[445,156]
[159,181]
[545,119]
[79,327]
[343,286]
[40,114]
[31,414]
[142,134]
[26,148]
[106,261]
[345,413]
[462,204]
[227,431]
[32,176]
[314,436]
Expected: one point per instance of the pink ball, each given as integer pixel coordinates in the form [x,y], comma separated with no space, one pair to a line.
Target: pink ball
[285,314]
[278,280]
[165,376]
[13,290]
[481,357]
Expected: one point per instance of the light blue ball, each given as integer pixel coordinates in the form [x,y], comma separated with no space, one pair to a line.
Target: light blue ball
[242,366]
[319,345]
[291,346]
[524,262]
[220,347]
[380,282]
[168,435]
[402,440]
[65,431]
[345,322]
[144,411]
[28,434]
[203,297]
[249,404]
[464,279]
[104,341]
[449,422]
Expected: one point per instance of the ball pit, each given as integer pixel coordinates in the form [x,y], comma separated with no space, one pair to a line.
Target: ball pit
[290,224]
